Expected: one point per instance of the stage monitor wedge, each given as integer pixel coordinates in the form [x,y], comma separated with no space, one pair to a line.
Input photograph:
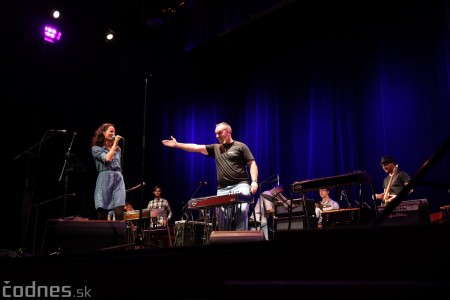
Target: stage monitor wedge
[70,236]
[220,237]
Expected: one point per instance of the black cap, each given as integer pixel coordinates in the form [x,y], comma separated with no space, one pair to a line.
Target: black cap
[387,159]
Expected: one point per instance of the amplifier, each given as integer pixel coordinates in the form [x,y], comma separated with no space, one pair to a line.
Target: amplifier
[191,233]
[408,212]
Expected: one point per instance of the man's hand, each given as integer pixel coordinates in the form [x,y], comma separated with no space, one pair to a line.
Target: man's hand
[253,187]
[170,143]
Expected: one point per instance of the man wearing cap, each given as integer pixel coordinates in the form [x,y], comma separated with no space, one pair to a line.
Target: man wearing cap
[394,182]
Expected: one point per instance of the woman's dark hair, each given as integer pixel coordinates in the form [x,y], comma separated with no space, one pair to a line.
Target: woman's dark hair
[99,139]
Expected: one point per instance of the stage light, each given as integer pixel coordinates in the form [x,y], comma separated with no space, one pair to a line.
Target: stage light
[51,34]
[56,14]
[109,35]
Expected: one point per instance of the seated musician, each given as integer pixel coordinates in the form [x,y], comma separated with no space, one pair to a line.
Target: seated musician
[266,203]
[325,204]
[159,203]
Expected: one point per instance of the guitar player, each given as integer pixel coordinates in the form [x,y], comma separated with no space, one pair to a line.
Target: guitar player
[394,182]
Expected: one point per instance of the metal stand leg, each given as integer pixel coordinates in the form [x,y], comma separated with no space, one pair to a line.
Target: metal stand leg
[305,209]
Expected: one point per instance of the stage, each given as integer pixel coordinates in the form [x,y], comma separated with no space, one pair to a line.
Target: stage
[351,262]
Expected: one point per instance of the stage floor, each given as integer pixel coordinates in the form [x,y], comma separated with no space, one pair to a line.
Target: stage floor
[363,262]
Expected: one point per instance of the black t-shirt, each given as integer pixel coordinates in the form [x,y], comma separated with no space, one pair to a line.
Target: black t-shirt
[231,161]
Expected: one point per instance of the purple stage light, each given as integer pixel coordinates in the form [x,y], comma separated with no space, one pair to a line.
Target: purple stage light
[51,34]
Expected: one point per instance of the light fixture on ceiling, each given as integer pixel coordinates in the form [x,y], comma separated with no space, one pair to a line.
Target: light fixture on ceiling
[109,36]
[56,14]
[51,34]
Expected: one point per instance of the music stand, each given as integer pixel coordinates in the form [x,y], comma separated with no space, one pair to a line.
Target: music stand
[289,204]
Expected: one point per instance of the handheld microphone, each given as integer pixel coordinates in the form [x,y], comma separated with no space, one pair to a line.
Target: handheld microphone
[278,179]
[58,130]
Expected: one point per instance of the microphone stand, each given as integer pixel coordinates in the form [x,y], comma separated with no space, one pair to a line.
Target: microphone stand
[135,187]
[46,137]
[344,196]
[139,230]
[139,236]
[29,192]
[64,171]
[139,240]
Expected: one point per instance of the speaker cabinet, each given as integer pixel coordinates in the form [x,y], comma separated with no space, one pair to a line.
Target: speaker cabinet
[69,236]
[220,237]
[191,233]
[408,212]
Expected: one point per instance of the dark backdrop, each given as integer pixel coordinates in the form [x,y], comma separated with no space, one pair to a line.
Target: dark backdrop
[315,90]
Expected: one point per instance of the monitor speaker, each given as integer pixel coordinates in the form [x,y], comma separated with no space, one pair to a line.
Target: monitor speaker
[69,236]
[220,237]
